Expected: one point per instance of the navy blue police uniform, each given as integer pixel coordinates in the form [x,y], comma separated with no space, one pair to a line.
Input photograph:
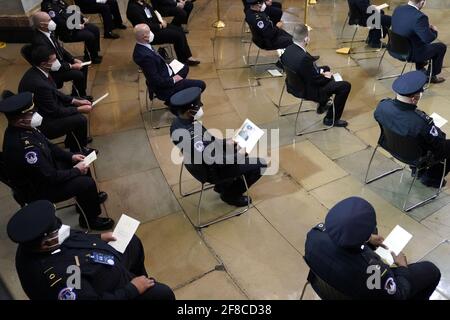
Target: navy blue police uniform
[406,119]
[81,267]
[337,251]
[274,11]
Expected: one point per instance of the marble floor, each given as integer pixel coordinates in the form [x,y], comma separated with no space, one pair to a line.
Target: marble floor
[257,255]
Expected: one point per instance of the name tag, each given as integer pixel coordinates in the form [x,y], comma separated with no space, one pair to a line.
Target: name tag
[101,258]
[148,13]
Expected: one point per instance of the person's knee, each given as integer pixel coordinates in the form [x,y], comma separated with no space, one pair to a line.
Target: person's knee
[160,291]
[202,85]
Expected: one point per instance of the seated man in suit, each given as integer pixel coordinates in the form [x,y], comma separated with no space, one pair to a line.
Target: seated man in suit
[268,35]
[179,9]
[195,142]
[159,75]
[86,32]
[70,69]
[62,114]
[42,170]
[319,84]
[402,116]
[109,9]
[363,16]
[410,22]
[139,11]
[272,8]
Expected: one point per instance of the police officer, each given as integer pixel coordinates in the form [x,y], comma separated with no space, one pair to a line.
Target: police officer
[56,263]
[40,170]
[265,34]
[402,117]
[88,32]
[272,8]
[225,161]
[341,252]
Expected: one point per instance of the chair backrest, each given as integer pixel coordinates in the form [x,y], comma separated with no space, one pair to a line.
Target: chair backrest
[407,149]
[199,171]
[398,46]
[354,15]
[256,38]
[322,288]
[26,53]
[3,172]
[294,83]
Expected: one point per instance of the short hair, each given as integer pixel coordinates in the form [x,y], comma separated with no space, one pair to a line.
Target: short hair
[41,54]
[300,32]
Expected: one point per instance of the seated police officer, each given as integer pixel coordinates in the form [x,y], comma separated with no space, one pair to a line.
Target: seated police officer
[319,84]
[71,69]
[272,8]
[365,12]
[341,252]
[266,35]
[225,161]
[67,31]
[402,117]
[56,263]
[179,9]
[41,170]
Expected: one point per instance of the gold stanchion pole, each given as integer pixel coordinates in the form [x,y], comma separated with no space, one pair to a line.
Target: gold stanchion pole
[307,4]
[219,23]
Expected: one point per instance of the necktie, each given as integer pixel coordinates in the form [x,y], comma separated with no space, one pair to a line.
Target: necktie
[56,45]
[50,79]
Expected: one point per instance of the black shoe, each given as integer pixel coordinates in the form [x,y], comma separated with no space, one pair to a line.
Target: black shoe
[89,98]
[86,151]
[337,123]
[431,182]
[120,26]
[102,197]
[97,223]
[240,201]
[97,60]
[218,189]
[111,35]
[315,58]
[192,62]
[436,79]
[89,140]
[323,107]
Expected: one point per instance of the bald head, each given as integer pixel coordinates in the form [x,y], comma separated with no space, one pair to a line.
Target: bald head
[142,31]
[41,20]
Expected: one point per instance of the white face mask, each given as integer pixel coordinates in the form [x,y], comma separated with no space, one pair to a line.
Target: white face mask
[51,26]
[55,65]
[199,114]
[63,233]
[263,7]
[151,37]
[36,120]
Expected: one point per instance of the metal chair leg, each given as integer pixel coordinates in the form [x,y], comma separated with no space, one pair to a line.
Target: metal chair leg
[248,52]
[208,186]
[304,290]
[366,181]
[84,217]
[353,39]
[394,75]
[343,27]
[279,104]
[430,75]
[305,131]
[151,109]
[381,60]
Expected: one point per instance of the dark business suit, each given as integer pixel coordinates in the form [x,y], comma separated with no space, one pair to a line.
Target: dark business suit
[65,73]
[316,86]
[60,117]
[361,17]
[110,12]
[171,34]
[413,24]
[168,8]
[157,75]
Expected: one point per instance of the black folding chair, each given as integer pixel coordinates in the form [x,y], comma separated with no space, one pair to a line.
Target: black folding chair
[407,150]
[259,43]
[26,51]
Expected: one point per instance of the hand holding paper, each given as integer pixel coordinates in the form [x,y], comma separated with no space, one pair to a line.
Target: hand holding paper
[176,66]
[248,135]
[396,241]
[90,158]
[124,231]
[100,99]
[438,120]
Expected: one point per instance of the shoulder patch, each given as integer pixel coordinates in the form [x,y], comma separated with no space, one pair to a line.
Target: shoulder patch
[434,132]
[260,24]
[390,286]
[31,157]
[51,13]
[67,294]
[199,146]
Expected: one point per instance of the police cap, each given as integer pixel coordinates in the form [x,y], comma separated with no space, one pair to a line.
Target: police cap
[17,104]
[254,1]
[33,222]
[186,99]
[410,83]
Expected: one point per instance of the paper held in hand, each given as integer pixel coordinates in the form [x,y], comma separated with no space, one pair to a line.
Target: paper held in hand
[248,135]
[438,120]
[86,63]
[337,77]
[91,157]
[100,99]
[275,73]
[396,241]
[176,66]
[382,6]
[158,16]
[124,231]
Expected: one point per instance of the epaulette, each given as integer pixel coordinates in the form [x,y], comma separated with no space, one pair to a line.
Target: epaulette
[26,141]
[424,116]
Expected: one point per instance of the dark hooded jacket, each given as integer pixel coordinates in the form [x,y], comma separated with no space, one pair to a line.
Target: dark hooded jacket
[337,252]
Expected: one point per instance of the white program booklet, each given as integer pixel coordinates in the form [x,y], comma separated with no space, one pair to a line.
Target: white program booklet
[86,63]
[275,73]
[100,99]
[280,52]
[176,66]
[248,135]
[396,241]
[382,6]
[124,231]
[337,77]
[438,120]
[91,157]
[158,16]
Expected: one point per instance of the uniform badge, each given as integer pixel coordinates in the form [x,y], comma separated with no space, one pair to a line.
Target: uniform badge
[390,286]
[260,24]
[67,294]
[31,157]
[434,131]
[199,146]
[51,13]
